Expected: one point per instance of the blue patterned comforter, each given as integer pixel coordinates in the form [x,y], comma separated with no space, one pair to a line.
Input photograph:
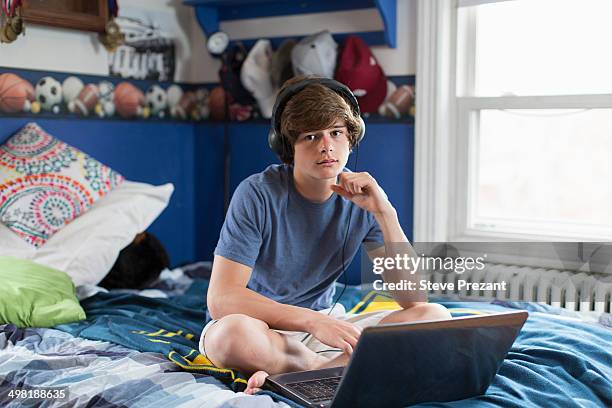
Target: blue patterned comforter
[137,351]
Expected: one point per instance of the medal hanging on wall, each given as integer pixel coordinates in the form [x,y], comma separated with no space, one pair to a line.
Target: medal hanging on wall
[112,36]
[13,23]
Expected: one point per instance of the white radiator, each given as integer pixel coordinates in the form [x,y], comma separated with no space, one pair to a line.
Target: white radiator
[577,291]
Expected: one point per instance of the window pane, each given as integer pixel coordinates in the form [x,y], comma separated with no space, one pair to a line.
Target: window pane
[545,166]
[544,47]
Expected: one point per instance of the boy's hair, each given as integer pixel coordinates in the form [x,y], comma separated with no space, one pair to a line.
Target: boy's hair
[138,265]
[313,108]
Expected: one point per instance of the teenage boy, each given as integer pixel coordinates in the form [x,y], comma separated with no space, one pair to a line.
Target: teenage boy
[282,244]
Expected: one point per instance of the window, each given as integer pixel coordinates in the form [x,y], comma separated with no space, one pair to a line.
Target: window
[533,126]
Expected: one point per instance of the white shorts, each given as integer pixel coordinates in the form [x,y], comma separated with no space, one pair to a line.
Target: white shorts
[362,320]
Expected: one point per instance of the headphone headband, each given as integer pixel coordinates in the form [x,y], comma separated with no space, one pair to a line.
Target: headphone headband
[275,138]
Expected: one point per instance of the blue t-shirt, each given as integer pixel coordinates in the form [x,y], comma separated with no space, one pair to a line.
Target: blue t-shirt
[293,245]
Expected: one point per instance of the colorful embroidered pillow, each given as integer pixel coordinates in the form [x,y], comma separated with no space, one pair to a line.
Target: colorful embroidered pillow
[45,183]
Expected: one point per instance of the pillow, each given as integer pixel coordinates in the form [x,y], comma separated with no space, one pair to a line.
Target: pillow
[36,296]
[87,248]
[45,184]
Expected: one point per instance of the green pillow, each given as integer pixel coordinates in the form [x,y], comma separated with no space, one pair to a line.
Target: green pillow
[33,295]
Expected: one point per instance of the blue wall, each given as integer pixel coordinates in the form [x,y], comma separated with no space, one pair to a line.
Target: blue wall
[387,153]
[191,156]
[156,153]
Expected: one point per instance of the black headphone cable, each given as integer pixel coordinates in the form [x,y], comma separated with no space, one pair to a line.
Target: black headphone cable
[343,274]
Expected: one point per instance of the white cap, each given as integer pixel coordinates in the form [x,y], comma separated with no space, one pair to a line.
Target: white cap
[256,77]
[315,55]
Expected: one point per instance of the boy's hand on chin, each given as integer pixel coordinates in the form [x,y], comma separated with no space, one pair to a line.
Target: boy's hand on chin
[363,190]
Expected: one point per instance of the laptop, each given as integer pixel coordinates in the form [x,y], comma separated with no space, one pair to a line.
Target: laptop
[395,365]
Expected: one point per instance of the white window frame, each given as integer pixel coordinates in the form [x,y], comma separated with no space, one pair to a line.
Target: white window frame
[446,136]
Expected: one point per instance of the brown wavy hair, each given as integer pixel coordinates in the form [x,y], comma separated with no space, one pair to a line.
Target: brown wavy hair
[315,107]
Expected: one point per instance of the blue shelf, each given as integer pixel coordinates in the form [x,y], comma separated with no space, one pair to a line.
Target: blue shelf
[211,12]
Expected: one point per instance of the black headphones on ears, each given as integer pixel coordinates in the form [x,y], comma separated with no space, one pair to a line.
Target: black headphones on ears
[278,143]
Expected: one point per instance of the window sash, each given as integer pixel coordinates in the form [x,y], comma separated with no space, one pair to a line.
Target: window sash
[463,160]
[442,127]
[470,3]
[464,168]
[598,101]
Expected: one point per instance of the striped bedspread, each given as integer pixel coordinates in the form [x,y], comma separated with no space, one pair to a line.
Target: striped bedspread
[102,374]
[138,351]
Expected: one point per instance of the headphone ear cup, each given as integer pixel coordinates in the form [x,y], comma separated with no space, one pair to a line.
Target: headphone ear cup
[361,134]
[278,145]
[275,143]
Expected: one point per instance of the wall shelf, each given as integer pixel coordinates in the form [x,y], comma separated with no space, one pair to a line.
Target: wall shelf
[211,12]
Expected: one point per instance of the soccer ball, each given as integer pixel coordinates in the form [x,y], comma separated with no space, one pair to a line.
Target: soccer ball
[105,106]
[106,89]
[49,94]
[157,100]
[201,111]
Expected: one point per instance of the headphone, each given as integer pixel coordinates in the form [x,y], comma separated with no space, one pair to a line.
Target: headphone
[277,141]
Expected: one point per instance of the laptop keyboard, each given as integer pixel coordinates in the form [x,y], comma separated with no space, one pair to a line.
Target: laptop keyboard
[316,390]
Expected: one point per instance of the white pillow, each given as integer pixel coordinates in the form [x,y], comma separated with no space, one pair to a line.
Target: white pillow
[87,248]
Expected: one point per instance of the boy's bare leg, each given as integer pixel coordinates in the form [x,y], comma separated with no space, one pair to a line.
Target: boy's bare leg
[249,345]
[424,311]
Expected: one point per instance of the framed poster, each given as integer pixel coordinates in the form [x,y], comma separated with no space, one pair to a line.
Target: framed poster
[147,53]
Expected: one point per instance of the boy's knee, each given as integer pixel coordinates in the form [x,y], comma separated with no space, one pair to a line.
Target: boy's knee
[418,311]
[233,339]
[433,311]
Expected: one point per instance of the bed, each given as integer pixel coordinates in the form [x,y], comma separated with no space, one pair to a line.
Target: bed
[139,348]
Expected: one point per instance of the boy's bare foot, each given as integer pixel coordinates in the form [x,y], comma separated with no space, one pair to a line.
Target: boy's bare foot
[339,361]
[256,382]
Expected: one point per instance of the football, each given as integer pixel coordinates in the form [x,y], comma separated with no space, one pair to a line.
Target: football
[185,106]
[399,103]
[85,103]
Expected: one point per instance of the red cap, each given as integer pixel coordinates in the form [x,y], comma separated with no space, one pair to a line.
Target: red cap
[358,69]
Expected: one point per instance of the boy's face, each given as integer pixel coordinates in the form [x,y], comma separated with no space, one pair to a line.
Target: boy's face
[322,154]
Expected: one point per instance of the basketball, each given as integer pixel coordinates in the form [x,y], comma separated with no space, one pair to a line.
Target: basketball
[16,94]
[129,100]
